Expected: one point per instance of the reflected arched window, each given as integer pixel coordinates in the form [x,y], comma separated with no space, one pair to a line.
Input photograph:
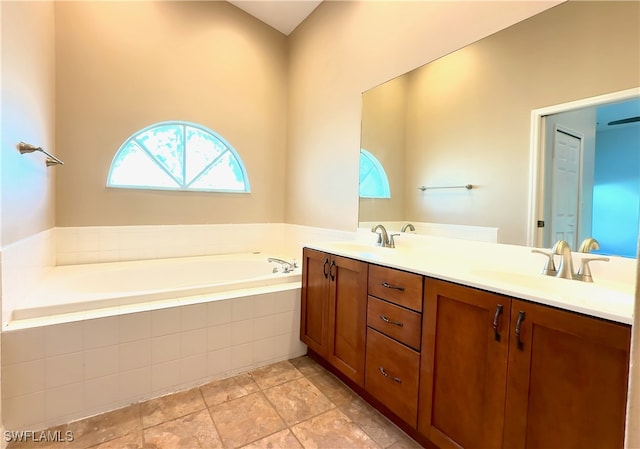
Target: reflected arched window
[373,179]
[178,156]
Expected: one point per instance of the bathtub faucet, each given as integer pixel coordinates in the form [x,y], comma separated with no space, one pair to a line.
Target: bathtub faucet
[287,267]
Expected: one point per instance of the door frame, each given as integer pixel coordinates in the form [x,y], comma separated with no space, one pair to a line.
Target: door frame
[535,211]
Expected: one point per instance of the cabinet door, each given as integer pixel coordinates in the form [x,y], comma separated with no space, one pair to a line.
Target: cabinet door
[348,316]
[314,319]
[567,382]
[464,366]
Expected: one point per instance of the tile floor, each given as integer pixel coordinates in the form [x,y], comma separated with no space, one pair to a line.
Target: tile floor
[289,404]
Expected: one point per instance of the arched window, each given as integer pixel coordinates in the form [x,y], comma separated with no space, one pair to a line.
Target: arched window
[178,156]
[373,179]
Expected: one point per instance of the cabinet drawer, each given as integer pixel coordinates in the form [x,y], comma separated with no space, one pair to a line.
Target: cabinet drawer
[396,286]
[394,321]
[392,374]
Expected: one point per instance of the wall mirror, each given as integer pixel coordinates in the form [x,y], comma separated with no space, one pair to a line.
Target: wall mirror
[466,119]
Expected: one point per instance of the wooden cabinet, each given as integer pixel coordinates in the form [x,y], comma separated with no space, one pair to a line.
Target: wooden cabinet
[463,366]
[567,381]
[500,372]
[393,340]
[334,307]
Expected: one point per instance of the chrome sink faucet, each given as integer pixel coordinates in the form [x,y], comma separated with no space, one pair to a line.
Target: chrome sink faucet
[584,272]
[565,269]
[408,226]
[384,239]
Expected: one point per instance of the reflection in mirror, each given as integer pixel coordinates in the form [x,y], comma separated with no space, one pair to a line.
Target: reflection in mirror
[466,119]
[591,175]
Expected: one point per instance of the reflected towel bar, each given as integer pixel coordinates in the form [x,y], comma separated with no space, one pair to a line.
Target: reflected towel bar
[28,148]
[467,186]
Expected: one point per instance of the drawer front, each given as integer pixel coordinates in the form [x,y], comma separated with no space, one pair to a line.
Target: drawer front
[396,322]
[399,287]
[392,374]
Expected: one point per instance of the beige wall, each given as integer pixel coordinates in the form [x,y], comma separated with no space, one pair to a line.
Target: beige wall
[27,186]
[343,49]
[122,66]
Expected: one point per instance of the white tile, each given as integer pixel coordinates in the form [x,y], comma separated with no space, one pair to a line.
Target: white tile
[165,348]
[241,356]
[165,375]
[219,312]
[22,346]
[88,240]
[67,239]
[263,327]
[24,412]
[64,369]
[100,392]
[193,317]
[101,362]
[134,384]
[285,302]
[218,362]
[135,354]
[135,326]
[63,338]
[241,332]
[265,304]
[242,308]
[165,321]
[263,350]
[284,323]
[282,345]
[67,258]
[64,401]
[218,337]
[193,342]
[101,332]
[23,378]
[193,369]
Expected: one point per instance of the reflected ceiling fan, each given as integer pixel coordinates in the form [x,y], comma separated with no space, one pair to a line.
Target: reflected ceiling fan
[624,120]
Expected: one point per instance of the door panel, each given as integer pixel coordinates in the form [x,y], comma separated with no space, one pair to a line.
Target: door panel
[314,320]
[464,366]
[556,400]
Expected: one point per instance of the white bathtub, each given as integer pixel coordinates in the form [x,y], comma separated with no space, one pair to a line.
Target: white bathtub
[80,288]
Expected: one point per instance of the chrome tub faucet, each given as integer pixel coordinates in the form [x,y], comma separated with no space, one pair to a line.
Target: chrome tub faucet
[287,267]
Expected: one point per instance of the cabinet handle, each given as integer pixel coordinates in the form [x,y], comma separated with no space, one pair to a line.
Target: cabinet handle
[394,287]
[496,319]
[324,268]
[387,320]
[331,272]
[387,375]
[521,315]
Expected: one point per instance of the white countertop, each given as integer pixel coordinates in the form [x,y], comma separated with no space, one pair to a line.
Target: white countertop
[507,269]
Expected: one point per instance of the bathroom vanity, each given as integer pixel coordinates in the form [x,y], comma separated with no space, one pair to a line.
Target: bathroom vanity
[461,356]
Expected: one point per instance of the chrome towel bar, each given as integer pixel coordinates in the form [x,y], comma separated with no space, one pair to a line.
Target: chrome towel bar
[28,148]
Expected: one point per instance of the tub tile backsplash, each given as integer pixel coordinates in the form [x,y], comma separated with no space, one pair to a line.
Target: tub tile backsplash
[62,372]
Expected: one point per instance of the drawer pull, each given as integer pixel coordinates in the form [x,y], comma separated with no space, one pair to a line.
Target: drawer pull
[521,315]
[394,287]
[496,318]
[386,374]
[387,320]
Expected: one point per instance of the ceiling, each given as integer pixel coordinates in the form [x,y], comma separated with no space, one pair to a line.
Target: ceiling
[283,15]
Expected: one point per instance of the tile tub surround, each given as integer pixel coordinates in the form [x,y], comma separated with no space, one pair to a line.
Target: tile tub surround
[289,404]
[63,372]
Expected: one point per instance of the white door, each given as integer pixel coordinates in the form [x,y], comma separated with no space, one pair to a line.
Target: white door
[565,201]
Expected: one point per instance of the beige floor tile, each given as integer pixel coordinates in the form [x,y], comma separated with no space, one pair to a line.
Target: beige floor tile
[307,365]
[245,420]
[280,440]
[102,428]
[383,431]
[298,400]
[275,374]
[130,441]
[172,406]
[334,389]
[405,443]
[332,430]
[191,431]
[224,390]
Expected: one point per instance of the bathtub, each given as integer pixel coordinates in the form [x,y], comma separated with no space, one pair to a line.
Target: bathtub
[81,288]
